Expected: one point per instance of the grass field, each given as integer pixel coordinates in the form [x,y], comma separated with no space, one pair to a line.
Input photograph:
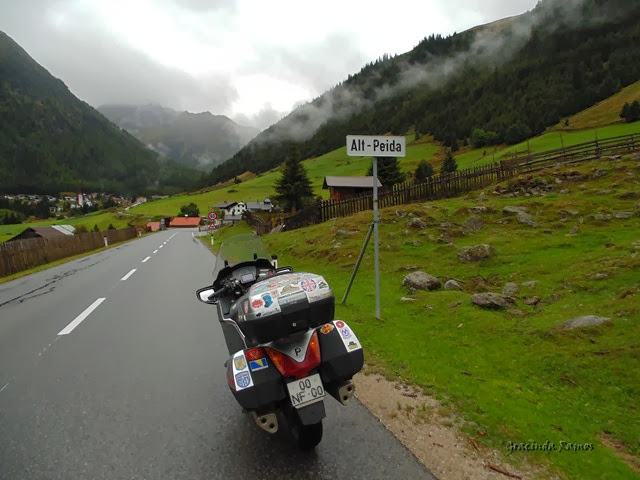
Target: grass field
[605,112]
[257,189]
[102,219]
[338,163]
[512,374]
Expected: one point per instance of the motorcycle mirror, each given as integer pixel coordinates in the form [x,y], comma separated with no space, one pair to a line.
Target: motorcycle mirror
[255,256]
[204,295]
[274,261]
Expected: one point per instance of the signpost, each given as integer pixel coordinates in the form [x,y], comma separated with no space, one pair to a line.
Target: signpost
[212,223]
[373,146]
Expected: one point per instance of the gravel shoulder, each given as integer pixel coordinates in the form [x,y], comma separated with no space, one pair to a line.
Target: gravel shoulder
[423,427]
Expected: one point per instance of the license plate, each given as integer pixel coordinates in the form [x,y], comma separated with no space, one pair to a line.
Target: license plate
[306,391]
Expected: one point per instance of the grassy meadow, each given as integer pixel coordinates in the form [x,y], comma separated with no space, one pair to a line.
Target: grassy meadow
[515,374]
[338,163]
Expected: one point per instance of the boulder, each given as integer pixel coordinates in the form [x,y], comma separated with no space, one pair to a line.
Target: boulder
[474,223]
[532,300]
[511,210]
[623,215]
[452,285]
[511,289]
[415,222]
[421,281]
[584,321]
[346,233]
[409,268]
[407,299]
[476,253]
[526,219]
[401,213]
[492,300]
[516,312]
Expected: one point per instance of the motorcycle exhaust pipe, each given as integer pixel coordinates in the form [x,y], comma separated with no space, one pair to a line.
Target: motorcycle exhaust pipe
[268,422]
[343,393]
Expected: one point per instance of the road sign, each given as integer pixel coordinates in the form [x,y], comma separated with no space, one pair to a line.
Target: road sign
[213,215]
[375,146]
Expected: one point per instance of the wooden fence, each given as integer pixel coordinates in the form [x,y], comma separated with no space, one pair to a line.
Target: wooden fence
[445,186]
[22,255]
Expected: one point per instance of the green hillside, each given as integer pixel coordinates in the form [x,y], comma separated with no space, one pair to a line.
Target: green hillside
[50,141]
[515,84]
[513,373]
[602,113]
[338,163]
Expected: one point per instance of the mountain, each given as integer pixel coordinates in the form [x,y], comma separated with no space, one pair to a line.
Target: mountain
[197,140]
[50,141]
[512,78]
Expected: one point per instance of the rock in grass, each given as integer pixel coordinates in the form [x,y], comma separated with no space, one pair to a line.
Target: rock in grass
[479,209]
[415,222]
[421,281]
[346,233]
[511,210]
[409,268]
[407,299]
[529,284]
[532,300]
[492,300]
[623,215]
[476,253]
[474,223]
[452,285]
[584,321]
[511,289]
[517,312]
[525,219]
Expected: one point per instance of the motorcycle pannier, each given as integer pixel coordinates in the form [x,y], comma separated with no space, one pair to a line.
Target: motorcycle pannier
[285,304]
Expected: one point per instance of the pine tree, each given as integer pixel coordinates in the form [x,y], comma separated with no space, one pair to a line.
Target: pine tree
[423,170]
[293,188]
[449,164]
[388,171]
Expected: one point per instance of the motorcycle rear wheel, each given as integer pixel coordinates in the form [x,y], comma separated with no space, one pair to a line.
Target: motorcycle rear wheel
[307,437]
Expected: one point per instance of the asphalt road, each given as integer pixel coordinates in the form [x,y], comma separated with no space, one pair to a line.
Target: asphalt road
[136,388]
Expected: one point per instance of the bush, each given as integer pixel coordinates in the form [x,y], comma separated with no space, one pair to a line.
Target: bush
[516,133]
[423,171]
[81,229]
[482,138]
[189,210]
[630,111]
[449,164]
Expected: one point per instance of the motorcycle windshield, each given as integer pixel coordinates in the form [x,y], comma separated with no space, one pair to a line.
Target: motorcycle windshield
[238,249]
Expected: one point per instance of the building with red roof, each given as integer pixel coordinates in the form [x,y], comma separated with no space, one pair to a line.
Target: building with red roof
[185,222]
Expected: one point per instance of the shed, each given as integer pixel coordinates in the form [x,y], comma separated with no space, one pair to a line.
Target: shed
[45,232]
[153,226]
[341,188]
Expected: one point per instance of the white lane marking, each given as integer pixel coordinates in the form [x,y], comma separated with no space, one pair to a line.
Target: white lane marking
[161,246]
[155,251]
[69,328]
[145,260]
[1,389]
[133,270]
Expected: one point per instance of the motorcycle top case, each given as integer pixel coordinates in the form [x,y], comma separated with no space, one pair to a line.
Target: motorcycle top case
[285,304]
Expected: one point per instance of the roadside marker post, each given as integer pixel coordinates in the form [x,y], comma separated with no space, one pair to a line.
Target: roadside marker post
[375,147]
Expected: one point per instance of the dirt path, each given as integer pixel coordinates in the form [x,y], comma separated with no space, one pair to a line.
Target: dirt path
[430,433]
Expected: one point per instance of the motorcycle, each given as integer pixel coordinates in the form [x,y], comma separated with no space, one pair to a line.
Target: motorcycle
[286,350]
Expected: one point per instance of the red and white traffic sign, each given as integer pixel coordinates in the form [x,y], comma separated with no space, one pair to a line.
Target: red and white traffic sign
[213,215]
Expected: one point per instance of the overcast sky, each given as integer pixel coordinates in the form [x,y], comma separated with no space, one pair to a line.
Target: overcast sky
[252,60]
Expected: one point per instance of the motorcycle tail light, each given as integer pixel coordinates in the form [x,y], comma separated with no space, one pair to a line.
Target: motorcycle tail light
[288,367]
[254,353]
